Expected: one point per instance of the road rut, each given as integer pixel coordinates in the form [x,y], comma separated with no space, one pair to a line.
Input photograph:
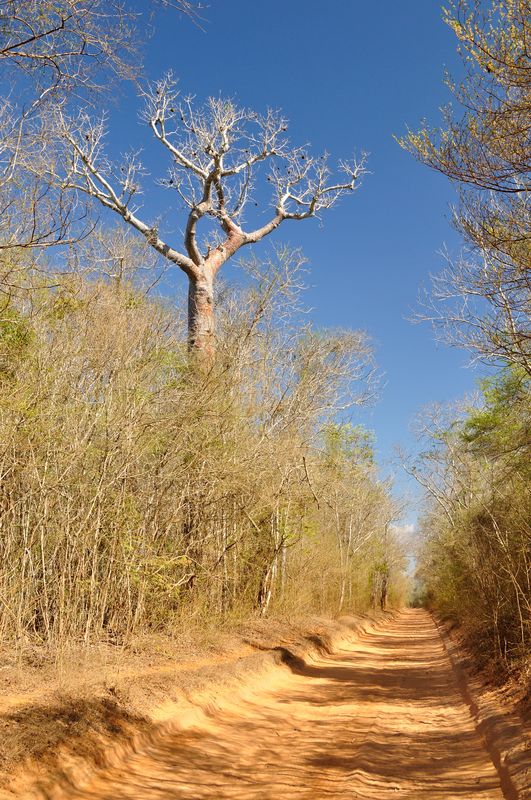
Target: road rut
[382,717]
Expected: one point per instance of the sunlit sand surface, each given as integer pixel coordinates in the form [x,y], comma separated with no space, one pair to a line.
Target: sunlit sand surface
[383,717]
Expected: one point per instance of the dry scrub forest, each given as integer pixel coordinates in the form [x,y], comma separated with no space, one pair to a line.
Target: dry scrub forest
[204,588]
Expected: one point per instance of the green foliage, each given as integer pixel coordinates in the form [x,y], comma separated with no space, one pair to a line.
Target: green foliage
[16,336]
[15,331]
[501,427]
[64,303]
[347,443]
[476,560]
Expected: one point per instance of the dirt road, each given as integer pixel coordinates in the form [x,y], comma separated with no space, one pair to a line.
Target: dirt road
[383,717]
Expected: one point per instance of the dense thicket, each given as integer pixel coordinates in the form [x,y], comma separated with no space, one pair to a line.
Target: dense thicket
[476,559]
[136,490]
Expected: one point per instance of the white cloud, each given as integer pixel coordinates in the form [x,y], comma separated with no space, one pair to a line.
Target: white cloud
[404,530]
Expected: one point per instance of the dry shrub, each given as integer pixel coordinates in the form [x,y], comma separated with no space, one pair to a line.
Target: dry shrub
[138,490]
[475,562]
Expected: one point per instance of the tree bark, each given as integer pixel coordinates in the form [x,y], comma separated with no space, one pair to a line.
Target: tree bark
[201,328]
[383,592]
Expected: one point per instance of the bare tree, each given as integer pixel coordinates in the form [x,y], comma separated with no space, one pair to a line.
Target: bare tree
[33,213]
[72,43]
[52,53]
[483,299]
[217,152]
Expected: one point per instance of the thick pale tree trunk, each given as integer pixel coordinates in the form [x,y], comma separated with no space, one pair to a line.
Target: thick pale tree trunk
[201,327]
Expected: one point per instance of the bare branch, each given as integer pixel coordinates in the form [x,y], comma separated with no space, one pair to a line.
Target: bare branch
[217,152]
[87,173]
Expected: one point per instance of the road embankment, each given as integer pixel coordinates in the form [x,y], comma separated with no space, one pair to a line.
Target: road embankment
[59,727]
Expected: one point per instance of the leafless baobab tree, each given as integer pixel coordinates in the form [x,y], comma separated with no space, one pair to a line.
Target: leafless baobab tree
[217,153]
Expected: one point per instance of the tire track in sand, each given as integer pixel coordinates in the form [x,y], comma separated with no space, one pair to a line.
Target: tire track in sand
[382,717]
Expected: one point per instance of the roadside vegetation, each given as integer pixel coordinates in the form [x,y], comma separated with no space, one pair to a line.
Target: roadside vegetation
[138,490]
[475,564]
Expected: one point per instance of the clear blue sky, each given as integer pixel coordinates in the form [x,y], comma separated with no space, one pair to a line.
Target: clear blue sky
[348,75]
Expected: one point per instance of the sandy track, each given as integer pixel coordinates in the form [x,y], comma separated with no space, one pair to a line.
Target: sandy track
[382,717]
